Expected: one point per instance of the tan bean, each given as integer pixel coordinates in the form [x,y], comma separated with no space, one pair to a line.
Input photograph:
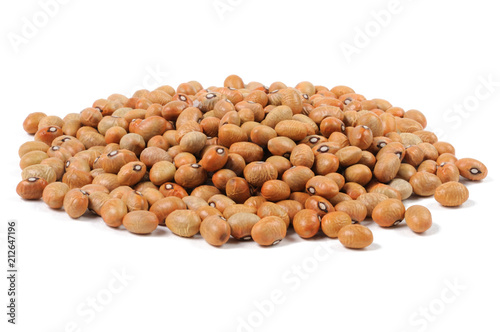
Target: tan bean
[403,186]
[39,171]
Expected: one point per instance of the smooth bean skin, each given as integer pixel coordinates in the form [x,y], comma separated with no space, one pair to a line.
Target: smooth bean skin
[140,222]
[418,218]
[215,230]
[451,194]
[355,236]
[269,231]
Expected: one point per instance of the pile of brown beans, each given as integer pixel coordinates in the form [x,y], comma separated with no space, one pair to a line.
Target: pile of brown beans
[244,161]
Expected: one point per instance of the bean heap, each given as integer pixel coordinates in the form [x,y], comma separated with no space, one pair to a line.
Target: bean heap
[243,160]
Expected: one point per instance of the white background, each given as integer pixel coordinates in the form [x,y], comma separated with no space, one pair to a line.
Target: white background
[429,55]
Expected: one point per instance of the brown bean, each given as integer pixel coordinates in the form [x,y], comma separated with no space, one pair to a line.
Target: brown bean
[161,172]
[257,173]
[291,207]
[424,184]
[135,200]
[447,172]
[131,173]
[205,192]
[190,176]
[349,155]
[353,189]
[96,201]
[418,218]
[358,173]
[471,169]
[113,211]
[163,207]
[389,212]
[387,167]
[31,188]
[214,158]
[77,179]
[241,225]
[355,236]
[370,200]
[172,189]
[355,209]
[361,136]
[269,231]
[53,194]
[215,230]
[185,223]
[275,190]
[322,186]
[306,223]
[297,177]
[319,204]
[192,202]
[406,171]
[140,222]
[31,122]
[292,129]
[333,222]
[76,202]
[451,194]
